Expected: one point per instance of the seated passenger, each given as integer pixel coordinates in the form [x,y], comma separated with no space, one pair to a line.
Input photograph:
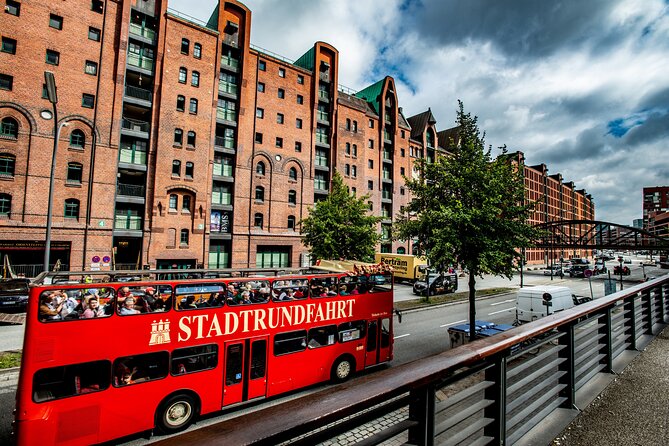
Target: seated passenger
[128,306]
[49,308]
[299,293]
[215,300]
[92,309]
[343,291]
[188,303]
[246,298]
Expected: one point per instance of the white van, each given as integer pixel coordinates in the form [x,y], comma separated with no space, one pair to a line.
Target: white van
[536,302]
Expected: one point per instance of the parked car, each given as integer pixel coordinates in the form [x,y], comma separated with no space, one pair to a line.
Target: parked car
[625,270]
[578,270]
[554,270]
[13,295]
[439,284]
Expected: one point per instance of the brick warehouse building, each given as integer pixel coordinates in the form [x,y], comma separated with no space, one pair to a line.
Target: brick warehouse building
[181,144]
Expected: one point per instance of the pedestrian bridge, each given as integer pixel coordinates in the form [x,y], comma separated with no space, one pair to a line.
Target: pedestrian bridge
[522,386]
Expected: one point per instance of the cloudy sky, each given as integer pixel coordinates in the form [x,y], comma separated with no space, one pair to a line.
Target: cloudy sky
[582,86]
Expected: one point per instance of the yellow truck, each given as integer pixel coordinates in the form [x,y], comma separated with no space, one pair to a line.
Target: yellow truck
[405,267]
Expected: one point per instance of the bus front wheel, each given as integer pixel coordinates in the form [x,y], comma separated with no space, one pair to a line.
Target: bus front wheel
[342,369]
[176,413]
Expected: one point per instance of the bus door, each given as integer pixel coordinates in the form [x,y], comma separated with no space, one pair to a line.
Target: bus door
[378,348]
[245,370]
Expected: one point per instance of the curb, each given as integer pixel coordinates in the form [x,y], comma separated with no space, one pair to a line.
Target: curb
[9,371]
[448,304]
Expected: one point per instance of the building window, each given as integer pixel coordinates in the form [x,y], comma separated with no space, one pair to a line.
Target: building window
[93,34]
[87,100]
[291,222]
[97,6]
[184,237]
[185,201]
[91,68]
[348,124]
[260,194]
[402,153]
[354,190]
[347,170]
[292,174]
[197,51]
[193,106]
[55,21]
[6,82]
[190,168]
[292,197]
[370,185]
[77,139]
[401,170]
[300,99]
[176,168]
[7,164]
[273,256]
[9,128]
[181,103]
[5,204]
[371,123]
[74,172]
[258,138]
[355,150]
[300,79]
[282,72]
[262,66]
[261,87]
[173,202]
[370,143]
[183,73]
[401,191]
[298,146]
[8,45]
[371,205]
[347,150]
[185,46]
[354,171]
[257,220]
[402,133]
[190,139]
[370,164]
[279,143]
[281,93]
[260,168]
[178,137]
[298,123]
[52,57]
[279,118]
[13,8]
[195,79]
[355,126]
[260,113]
[72,208]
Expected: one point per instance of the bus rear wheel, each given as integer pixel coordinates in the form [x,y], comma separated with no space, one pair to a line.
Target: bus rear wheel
[176,413]
[342,369]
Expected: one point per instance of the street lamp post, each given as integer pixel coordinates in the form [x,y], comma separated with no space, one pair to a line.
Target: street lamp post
[53,98]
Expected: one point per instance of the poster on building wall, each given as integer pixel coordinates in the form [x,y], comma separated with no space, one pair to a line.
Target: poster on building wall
[215,222]
[225,222]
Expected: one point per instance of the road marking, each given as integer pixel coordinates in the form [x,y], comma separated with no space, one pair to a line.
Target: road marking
[501,311]
[402,336]
[503,302]
[453,323]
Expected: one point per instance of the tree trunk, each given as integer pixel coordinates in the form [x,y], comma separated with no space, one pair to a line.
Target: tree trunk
[472,305]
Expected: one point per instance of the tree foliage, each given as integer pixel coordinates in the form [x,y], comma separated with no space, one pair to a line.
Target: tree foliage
[469,209]
[339,227]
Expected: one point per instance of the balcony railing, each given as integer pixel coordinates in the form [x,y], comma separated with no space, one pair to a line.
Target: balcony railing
[321,185]
[387,155]
[140,61]
[323,116]
[223,169]
[139,93]
[387,175]
[131,156]
[386,136]
[321,161]
[325,77]
[221,197]
[140,30]
[322,138]
[224,141]
[131,190]
[135,125]
[227,87]
[388,195]
[323,94]
[128,222]
[227,115]
[227,61]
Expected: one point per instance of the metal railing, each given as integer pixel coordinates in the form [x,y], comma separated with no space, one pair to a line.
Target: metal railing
[227,87]
[131,190]
[492,391]
[226,115]
[135,125]
[140,61]
[224,141]
[30,270]
[227,61]
[140,30]
[139,93]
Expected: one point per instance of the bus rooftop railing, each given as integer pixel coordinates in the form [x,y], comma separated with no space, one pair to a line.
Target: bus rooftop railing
[497,390]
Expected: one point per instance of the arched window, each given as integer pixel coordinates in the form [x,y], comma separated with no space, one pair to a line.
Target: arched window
[72,208]
[291,222]
[190,139]
[77,139]
[189,169]
[183,74]
[173,202]
[355,150]
[5,204]
[348,124]
[348,148]
[176,168]
[185,203]
[7,164]
[193,106]
[401,250]
[260,193]
[181,103]
[260,168]
[258,220]
[9,128]
[195,79]
[185,44]
[292,197]
[184,237]
[292,174]
[197,51]
[74,172]
[178,137]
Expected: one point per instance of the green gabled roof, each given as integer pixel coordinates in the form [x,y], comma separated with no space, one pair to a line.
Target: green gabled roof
[371,94]
[307,60]
[212,23]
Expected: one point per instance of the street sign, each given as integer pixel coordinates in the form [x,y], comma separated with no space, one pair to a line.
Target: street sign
[547,297]
[587,273]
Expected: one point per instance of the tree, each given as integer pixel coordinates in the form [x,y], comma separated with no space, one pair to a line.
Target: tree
[339,227]
[468,209]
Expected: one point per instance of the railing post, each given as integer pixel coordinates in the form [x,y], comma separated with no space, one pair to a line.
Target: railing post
[496,393]
[568,365]
[660,303]
[607,331]
[421,409]
[630,322]
[647,305]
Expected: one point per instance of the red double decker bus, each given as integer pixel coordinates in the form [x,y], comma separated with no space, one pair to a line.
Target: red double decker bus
[104,360]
